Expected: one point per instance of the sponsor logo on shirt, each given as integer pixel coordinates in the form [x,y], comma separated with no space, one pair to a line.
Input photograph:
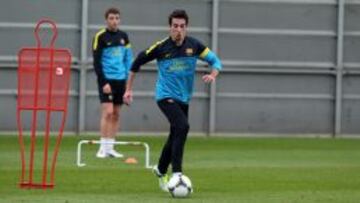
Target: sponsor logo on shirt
[115,52]
[177,66]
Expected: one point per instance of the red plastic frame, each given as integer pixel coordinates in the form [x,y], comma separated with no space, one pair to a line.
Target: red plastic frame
[55,65]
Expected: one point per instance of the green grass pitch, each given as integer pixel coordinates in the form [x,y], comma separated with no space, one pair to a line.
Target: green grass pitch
[221,169]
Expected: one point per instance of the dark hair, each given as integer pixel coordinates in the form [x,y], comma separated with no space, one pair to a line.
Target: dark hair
[179,14]
[111,10]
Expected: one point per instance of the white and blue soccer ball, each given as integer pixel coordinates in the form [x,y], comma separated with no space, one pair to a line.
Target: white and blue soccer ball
[180,186]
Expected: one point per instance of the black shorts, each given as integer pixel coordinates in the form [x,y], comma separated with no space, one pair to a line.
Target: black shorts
[117,92]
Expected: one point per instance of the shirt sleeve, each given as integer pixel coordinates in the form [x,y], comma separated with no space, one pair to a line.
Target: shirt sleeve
[205,54]
[97,52]
[145,57]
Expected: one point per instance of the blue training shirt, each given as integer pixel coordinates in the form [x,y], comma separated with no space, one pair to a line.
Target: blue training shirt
[112,55]
[176,66]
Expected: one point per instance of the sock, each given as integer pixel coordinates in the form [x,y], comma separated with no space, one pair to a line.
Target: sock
[102,143]
[111,143]
[177,174]
[107,144]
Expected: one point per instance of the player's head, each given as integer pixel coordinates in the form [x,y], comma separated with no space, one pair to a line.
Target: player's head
[178,21]
[112,18]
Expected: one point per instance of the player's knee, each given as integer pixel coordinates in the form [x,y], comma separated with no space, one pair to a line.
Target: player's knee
[186,126]
[182,127]
[108,115]
[115,116]
[107,111]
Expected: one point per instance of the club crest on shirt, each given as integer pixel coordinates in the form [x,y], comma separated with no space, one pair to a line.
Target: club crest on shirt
[189,51]
[122,41]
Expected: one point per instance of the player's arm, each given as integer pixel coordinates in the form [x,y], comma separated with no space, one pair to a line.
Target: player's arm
[213,60]
[143,58]
[97,47]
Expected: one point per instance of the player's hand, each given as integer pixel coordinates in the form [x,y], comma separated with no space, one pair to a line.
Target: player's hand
[128,97]
[107,88]
[208,78]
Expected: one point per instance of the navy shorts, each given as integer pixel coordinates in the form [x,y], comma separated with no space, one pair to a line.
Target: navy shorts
[117,92]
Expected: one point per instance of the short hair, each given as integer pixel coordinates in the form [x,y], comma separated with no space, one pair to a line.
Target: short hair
[111,10]
[178,13]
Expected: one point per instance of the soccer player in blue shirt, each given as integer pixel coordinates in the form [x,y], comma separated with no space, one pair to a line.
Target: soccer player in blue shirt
[112,60]
[176,58]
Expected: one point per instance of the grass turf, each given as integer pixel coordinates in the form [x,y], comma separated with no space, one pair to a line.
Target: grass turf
[221,169]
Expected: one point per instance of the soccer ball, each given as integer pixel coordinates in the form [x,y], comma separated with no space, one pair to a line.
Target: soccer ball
[180,186]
